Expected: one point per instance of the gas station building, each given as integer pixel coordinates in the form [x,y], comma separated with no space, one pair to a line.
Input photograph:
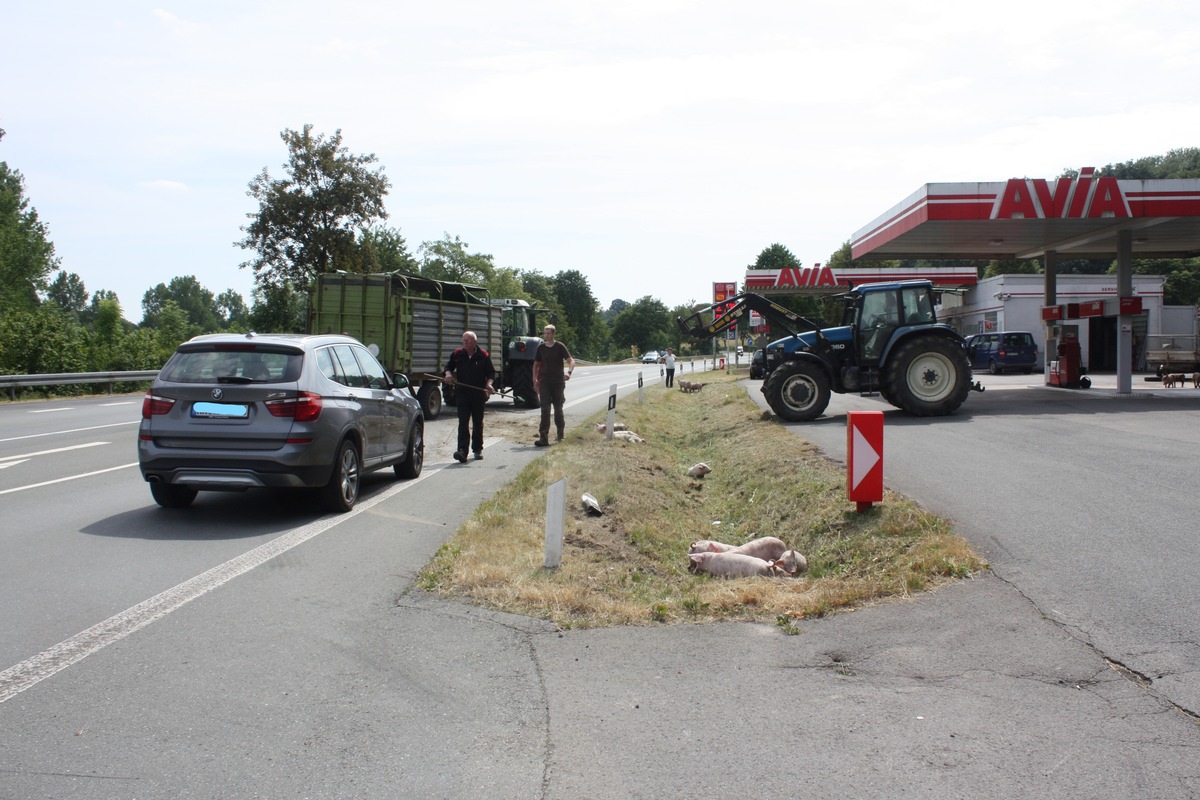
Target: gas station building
[1111,316]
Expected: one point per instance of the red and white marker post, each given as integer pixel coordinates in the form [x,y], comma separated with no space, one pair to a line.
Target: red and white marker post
[864,458]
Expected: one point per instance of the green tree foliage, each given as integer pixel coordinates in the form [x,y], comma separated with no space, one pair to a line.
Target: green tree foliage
[108,332]
[646,324]
[506,283]
[41,340]
[1181,163]
[615,308]
[307,222]
[68,292]
[382,249]
[26,252]
[1012,266]
[198,304]
[447,259]
[232,310]
[581,309]
[279,308]
[172,327]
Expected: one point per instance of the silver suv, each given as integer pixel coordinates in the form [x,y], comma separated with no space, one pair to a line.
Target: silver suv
[230,412]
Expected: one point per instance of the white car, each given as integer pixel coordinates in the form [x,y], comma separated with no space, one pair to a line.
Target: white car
[650,358]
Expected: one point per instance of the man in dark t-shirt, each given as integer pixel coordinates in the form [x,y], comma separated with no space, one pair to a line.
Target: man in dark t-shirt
[550,382]
[471,371]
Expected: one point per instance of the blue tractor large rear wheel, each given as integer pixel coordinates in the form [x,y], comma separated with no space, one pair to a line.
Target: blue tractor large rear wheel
[928,376]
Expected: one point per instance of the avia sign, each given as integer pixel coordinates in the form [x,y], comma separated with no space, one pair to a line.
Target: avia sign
[1087,197]
[790,278]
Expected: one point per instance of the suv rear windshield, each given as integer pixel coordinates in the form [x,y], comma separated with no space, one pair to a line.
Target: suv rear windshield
[223,365]
[1018,339]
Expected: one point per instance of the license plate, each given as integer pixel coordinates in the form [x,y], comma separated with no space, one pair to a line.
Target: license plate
[221,410]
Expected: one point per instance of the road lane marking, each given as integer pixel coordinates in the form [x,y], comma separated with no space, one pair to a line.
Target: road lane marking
[73,430]
[5,464]
[121,403]
[48,410]
[68,478]
[594,395]
[32,671]
[55,450]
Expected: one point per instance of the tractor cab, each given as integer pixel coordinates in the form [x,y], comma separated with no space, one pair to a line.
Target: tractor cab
[882,313]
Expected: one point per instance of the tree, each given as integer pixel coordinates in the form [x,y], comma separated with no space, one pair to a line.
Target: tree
[579,305]
[231,307]
[68,292]
[615,308]
[646,324]
[26,252]
[384,250]
[306,223]
[279,308]
[448,260]
[197,304]
[1012,266]
[93,310]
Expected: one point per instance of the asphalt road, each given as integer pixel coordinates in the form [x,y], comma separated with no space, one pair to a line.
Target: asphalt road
[1085,501]
[245,648]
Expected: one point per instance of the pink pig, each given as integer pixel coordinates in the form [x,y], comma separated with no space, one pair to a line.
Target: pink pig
[729,565]
[768,548]
[790,563]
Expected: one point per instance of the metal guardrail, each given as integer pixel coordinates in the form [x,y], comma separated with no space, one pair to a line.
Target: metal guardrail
[11,382]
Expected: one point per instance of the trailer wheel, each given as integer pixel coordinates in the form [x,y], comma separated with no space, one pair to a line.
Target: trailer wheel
[522,385]
[928,376]
[797,391]
[430,398]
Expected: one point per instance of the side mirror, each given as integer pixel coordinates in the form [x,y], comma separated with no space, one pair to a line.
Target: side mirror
[400,380]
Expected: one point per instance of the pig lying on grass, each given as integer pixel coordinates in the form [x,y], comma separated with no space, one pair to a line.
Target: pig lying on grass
[767,548]
[777,560]
[729,565]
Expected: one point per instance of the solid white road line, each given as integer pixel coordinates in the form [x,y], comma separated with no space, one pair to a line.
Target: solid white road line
[74,430]
[68,478]
[55,450]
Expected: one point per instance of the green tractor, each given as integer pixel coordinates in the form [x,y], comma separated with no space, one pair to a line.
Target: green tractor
[889,342]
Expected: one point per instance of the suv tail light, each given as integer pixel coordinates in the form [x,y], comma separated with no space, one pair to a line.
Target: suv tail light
[304,407]
[153,405]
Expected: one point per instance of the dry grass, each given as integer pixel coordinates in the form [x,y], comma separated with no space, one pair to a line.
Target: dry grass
[629,566]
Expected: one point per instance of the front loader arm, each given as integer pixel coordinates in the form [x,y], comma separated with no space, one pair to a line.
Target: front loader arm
[789,320]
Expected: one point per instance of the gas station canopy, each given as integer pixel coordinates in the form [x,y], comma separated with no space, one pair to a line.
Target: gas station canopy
[1026,217]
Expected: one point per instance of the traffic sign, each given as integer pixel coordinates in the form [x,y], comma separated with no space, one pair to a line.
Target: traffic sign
[864,458]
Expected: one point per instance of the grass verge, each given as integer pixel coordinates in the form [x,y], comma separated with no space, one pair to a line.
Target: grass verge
[629,566]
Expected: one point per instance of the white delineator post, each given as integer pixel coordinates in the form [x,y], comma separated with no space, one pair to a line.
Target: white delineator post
[556,515]
[612,411]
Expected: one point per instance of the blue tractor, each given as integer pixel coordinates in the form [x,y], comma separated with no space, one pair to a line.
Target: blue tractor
[889,342]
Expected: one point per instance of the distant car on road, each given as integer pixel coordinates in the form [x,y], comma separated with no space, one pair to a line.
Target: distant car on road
[1000,352]
[650,357]
[230,412]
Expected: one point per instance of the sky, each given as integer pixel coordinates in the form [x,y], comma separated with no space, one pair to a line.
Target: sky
[656,146]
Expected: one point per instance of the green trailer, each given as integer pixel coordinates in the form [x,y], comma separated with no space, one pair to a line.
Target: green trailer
[416,323]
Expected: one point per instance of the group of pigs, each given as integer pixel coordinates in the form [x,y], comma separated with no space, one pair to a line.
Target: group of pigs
[764,556]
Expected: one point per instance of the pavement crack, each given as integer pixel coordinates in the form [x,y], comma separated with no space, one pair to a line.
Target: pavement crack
[1143,681]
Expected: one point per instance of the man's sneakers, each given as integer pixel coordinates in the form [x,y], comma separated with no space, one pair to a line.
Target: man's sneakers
[460,456]
[478,455]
